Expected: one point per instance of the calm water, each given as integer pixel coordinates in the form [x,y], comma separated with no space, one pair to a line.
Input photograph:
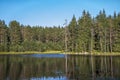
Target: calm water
[58,67]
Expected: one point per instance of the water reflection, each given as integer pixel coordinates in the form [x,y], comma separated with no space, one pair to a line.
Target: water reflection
[94,68]
[19,67]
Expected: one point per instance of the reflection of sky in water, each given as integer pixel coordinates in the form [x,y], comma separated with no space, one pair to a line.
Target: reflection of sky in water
[50,78]
[46,55]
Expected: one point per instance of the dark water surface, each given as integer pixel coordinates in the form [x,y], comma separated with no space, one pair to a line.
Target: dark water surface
[59,67]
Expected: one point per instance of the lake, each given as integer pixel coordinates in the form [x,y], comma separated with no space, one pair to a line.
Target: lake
[59,67]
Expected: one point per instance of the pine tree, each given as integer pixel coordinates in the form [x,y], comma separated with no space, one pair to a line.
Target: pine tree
[84,32]
[15,36]
[116,43]
[4,37]
[101,31]
[72,28]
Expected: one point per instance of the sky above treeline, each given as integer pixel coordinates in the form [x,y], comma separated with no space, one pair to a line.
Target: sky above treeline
[52,12]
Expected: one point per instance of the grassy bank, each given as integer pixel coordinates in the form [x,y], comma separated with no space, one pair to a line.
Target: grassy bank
[95,53]
[32,52]
[107,53]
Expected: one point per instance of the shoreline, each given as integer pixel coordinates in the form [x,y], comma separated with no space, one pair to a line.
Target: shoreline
[95,54]
[61,52]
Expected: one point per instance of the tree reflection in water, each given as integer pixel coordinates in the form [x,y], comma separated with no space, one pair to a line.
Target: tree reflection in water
[18,67]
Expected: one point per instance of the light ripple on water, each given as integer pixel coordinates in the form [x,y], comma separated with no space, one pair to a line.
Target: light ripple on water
[46,55]
[50,78]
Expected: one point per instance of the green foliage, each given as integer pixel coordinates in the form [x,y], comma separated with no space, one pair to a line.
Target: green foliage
[84,26]
[15,33]
[4,37]
[72,29]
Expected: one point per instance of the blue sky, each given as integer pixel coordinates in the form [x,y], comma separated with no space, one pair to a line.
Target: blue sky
[52,12]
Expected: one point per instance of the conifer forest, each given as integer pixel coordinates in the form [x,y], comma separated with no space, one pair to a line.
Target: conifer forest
[100,33]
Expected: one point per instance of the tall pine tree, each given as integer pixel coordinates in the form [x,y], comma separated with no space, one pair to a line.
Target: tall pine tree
[15,36]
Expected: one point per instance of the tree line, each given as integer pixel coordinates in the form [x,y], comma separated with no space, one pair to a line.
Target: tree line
[87,34]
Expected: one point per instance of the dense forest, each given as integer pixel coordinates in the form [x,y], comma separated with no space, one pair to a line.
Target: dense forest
[87,34]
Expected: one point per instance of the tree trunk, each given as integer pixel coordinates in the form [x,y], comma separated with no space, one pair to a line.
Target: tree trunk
[91,47]
[110,40]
